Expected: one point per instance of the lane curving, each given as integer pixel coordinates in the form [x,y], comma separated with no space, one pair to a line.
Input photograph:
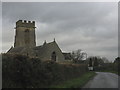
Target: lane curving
[103,80]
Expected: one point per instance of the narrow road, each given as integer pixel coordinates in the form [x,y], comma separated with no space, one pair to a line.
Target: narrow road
[103,80]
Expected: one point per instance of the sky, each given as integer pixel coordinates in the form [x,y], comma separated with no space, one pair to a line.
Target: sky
[90,26]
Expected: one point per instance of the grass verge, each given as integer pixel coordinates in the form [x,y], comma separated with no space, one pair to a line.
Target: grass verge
[116,72]
[76,82]
[113,72]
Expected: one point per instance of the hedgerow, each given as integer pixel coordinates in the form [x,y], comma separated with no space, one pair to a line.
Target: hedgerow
[20,71]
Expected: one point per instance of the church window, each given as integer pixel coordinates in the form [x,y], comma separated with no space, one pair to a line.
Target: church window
[27,30]
[53,56]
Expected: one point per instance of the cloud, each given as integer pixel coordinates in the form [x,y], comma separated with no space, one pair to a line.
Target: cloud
[89,26]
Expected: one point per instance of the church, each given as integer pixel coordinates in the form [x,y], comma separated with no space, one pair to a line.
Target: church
[25,44]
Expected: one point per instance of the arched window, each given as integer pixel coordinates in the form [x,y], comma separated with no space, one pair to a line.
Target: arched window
[53,56]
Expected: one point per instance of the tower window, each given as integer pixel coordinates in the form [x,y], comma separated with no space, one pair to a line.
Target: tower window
[27,30]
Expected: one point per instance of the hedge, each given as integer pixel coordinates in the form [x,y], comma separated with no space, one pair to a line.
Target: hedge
[19,71]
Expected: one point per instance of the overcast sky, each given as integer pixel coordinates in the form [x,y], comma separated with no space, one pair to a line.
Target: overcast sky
[92,27]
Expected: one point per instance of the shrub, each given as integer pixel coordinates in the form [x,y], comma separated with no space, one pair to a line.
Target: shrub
[20,71]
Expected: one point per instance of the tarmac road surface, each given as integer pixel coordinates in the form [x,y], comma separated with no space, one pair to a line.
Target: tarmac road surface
[103,80]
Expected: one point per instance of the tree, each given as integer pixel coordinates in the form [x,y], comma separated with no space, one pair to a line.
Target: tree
[105,60]
[90,63]
[78,55]
[117,60]
[96,60]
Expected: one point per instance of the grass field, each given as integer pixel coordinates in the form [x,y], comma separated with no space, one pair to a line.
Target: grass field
[76,82]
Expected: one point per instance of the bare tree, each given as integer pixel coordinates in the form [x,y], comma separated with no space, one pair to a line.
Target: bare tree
[105,60]
[78,55]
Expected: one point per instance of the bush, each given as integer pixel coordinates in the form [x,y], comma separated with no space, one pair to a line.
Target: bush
[21,71]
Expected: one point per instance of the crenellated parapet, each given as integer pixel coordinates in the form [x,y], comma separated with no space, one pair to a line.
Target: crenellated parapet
[24,23]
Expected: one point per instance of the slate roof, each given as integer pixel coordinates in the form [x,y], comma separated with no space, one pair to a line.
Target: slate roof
[41,50]
[67,56]
[44,49]
[15,50]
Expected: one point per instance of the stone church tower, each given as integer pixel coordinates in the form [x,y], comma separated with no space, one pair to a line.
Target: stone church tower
[25,34]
